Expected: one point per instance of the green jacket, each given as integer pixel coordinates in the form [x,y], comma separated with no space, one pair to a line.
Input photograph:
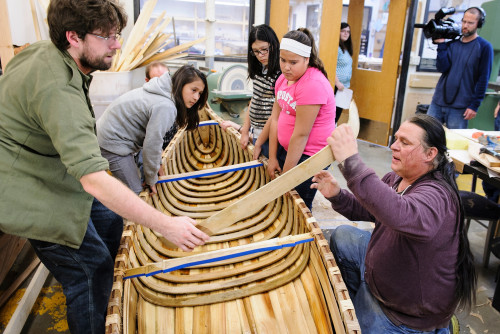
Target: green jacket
[47,143]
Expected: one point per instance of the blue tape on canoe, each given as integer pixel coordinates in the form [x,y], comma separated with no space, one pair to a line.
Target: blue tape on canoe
[205,123]
[221,258]
[210,173]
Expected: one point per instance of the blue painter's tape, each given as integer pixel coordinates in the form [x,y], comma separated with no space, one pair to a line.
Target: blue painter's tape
[210,173]
[205,123]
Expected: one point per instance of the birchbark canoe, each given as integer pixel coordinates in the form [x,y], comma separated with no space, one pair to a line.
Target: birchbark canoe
[288,290]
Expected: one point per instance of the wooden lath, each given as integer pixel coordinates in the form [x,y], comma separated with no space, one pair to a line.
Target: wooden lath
[144,46]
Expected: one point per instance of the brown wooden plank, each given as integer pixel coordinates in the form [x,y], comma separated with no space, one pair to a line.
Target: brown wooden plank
[19,280]
[10,247]
[253,202]
[272,190]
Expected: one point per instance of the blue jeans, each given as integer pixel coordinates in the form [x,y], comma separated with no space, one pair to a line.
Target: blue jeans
[86,274]
[264,149]
[453,118]
[304,189]
[349,245]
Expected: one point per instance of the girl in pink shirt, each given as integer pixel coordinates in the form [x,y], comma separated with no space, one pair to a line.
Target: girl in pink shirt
[304,110]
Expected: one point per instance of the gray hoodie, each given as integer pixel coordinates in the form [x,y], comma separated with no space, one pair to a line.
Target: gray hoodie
[138,120]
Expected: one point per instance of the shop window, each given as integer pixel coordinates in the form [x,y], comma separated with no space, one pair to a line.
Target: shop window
[373,33]
[189,23]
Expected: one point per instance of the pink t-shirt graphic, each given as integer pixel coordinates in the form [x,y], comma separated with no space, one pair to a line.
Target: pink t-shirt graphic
[312,88]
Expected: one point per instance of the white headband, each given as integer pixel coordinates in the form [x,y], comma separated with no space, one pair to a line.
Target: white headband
[295,47]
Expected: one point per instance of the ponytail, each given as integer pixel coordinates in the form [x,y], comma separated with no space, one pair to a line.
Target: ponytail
[466,276]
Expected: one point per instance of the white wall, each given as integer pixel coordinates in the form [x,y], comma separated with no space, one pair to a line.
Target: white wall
[21,22]
[22,25]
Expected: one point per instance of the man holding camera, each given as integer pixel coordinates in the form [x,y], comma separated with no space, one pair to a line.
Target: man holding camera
[465,64]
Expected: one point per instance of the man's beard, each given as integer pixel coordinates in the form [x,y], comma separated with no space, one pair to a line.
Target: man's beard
[94,62]
[469,33]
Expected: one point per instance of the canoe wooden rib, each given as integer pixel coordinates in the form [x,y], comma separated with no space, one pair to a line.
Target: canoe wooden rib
[289,290]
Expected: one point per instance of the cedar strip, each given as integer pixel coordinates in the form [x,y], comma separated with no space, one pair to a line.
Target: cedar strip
[176,49]
[232,318]
[137,55]
[201,319]
[218,314]
[263,313]
[311,304]
[290,303]
[137,30]
[278,311]
[323,282]
[151,34]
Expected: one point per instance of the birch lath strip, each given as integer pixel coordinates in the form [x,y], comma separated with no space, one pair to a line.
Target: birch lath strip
[211,171]
[218,254]
[270,191]
[143,45]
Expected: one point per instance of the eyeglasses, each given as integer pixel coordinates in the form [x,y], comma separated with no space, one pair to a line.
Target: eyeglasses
[261,52]
[112,38]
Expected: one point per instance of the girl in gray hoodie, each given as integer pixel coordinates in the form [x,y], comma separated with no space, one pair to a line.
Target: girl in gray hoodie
[139,119]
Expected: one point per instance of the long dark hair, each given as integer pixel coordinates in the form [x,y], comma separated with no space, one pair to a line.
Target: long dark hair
[434,136]
[304,36]
[263,33]
[188,117]
[347,45]
[83,16]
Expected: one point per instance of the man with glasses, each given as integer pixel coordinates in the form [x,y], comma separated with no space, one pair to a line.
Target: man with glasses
[54,187]
[466,66]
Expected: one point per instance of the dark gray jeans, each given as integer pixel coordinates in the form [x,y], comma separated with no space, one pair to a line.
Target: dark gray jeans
[124,169]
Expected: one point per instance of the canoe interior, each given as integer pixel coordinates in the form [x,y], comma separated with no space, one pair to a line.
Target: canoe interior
[290,290]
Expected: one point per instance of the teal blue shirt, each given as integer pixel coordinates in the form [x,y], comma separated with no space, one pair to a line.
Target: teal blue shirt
[47,143]
[344,67]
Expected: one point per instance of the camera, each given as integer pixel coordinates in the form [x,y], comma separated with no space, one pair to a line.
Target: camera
[438,28]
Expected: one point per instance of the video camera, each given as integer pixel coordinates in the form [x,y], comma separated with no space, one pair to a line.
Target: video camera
[438,28]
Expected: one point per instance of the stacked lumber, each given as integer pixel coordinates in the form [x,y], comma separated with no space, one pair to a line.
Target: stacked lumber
[145,46]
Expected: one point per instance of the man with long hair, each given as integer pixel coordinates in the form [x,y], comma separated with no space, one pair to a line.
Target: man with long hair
[411,272]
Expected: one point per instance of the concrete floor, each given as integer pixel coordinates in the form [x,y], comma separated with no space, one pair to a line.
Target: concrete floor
[48,316]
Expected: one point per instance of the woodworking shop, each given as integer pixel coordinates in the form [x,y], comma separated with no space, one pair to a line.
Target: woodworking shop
[249,166]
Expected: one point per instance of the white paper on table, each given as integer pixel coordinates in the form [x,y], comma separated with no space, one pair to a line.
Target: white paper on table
[343,98]
[492,173]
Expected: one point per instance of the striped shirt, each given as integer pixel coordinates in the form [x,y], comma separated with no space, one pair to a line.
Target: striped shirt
[262,99]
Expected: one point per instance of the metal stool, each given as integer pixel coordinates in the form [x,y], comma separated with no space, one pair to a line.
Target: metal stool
[478,207]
